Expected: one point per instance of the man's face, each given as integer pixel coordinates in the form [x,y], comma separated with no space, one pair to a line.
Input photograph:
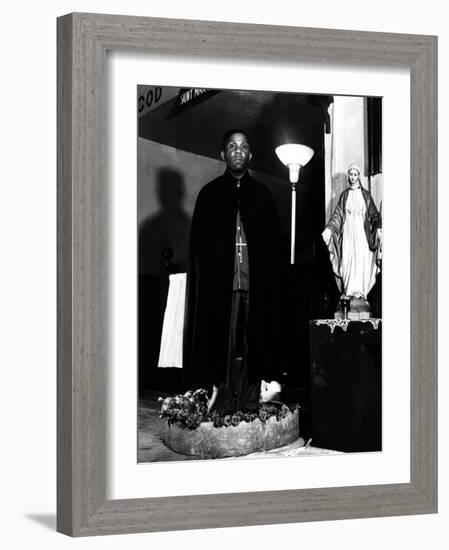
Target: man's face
[237,153]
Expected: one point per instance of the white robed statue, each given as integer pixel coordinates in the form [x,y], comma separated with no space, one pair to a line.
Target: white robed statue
[353,236]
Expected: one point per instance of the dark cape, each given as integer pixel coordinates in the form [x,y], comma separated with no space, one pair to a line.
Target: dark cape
[210,281]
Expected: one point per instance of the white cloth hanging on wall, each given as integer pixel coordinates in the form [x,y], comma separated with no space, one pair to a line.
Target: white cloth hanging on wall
[170,354]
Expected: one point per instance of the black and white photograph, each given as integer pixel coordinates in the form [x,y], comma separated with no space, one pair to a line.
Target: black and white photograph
[259,273]
[203,345]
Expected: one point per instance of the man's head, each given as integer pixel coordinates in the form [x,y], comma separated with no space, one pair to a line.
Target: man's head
[236,151]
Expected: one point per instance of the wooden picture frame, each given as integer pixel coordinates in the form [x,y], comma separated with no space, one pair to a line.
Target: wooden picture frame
[83,40]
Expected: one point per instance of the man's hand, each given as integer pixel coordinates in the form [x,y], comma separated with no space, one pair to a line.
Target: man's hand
[379,235]
[213,397]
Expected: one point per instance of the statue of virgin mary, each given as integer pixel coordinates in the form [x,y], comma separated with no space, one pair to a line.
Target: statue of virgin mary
[353,236]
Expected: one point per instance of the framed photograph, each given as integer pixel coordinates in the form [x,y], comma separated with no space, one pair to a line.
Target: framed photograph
[182,405]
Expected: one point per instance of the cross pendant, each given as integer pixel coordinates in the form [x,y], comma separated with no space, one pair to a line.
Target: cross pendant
[240,246]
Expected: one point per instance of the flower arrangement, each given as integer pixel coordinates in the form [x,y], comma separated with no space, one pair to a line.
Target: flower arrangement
[190,409]
[187,410]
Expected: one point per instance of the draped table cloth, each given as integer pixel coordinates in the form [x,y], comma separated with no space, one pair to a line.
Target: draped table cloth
[346,384]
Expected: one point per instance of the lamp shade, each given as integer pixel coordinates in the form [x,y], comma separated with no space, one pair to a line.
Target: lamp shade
[294,153]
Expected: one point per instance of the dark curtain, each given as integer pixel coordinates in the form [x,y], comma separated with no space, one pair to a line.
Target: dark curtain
[374,106]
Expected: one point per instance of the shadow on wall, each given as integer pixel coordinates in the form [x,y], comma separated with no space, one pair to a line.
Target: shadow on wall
[169,227]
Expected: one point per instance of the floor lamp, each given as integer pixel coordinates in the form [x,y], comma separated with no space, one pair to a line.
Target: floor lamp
[294,156]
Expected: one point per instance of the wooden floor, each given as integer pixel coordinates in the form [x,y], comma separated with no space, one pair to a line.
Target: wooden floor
[151,432]
[152,429]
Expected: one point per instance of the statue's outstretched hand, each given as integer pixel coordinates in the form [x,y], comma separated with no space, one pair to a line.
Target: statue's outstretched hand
[326,234]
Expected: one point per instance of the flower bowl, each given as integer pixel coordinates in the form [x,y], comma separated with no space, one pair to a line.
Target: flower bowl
[209,441]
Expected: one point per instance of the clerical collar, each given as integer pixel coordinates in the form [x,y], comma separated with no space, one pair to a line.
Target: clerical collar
[355,187]
[242,178]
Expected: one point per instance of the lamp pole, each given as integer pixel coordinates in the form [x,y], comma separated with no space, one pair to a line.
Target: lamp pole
[293,225]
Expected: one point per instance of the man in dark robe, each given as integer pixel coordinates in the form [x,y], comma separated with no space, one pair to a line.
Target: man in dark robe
[233,285]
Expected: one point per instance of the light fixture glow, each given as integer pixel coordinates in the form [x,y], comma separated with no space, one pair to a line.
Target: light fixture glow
[294,156]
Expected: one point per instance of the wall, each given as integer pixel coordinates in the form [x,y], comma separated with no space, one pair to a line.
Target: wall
[346,145]
[28,320]
[169,181]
